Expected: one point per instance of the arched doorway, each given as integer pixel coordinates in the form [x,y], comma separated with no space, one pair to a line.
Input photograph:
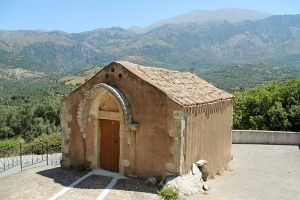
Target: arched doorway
[106,110]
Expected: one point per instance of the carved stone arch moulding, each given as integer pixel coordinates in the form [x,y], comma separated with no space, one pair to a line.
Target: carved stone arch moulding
[89,97]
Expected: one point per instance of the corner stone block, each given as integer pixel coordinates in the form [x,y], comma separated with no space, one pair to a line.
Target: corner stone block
[176,150]
[92,159]
[65,136]
[182,124]
[177,114]
[178,124]
[170,167]
[67,131]
[69,118]
[174,133]
[124,163]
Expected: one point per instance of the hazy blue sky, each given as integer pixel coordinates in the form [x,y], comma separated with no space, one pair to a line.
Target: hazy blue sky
[84,15]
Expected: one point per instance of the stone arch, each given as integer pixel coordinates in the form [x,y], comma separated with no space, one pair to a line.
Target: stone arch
[87,113]
[91,95]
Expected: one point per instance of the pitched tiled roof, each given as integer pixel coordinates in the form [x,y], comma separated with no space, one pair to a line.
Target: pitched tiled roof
[185,88]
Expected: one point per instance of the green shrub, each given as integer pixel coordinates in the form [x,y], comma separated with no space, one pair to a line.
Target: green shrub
[9,142]
[168,192]
[52,140]
[273,106]
[44,144]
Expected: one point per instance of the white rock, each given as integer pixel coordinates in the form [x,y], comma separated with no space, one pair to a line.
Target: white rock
[195,169]
[188,184]
[205,187]
[200,163]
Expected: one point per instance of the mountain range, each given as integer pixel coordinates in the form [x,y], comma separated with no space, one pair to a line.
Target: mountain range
[243,36]
[228,14]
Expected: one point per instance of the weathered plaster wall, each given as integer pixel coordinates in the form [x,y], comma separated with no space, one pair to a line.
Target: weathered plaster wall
[208,135]
[72,141]
[150,147]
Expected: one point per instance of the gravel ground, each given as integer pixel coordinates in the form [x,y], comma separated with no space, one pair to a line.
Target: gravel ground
[258,172]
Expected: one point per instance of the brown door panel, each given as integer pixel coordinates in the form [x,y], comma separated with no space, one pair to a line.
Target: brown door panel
[109,145]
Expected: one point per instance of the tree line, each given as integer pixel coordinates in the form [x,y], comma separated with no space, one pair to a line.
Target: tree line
[29,109]
[273,106]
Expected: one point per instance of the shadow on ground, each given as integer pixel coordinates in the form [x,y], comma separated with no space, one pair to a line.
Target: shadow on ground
[66,176]
[63,176]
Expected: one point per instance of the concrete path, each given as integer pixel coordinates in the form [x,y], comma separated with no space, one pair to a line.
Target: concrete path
[258,172]
[262,172]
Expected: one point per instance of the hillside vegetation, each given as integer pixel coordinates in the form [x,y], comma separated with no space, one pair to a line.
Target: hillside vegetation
[238,77]
[29,107]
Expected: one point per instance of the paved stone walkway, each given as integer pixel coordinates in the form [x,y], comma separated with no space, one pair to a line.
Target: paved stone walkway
[258,172]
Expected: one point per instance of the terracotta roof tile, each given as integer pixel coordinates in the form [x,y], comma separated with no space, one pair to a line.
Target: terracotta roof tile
[185,88]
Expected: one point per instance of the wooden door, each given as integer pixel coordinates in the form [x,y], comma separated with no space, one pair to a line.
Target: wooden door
[109,145]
